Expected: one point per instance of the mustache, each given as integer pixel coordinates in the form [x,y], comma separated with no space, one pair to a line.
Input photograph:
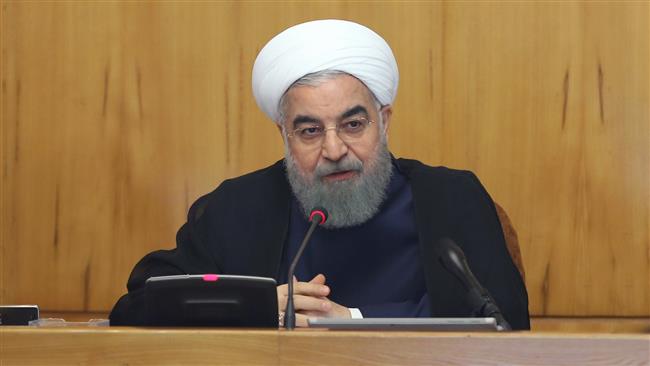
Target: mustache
[330,167]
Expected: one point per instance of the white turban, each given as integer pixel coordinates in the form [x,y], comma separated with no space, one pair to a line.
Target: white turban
[323,45]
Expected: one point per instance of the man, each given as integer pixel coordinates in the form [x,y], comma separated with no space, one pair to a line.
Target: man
[329,86]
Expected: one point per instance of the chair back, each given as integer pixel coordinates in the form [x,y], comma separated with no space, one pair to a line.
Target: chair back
[512,242]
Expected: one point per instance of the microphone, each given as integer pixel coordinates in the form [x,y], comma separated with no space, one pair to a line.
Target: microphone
[318,216]
[454,261]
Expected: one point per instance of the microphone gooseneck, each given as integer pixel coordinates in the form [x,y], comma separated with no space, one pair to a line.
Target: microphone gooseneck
[454,261]
[317,217]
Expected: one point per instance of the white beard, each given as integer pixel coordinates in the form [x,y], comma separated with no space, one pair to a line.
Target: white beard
[349,202]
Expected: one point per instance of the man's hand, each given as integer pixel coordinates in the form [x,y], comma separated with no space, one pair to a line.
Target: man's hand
[310,300]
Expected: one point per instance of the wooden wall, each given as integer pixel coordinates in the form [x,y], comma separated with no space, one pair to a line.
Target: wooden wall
[117,115]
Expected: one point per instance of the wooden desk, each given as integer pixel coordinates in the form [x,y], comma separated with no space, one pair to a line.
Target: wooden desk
[157,346]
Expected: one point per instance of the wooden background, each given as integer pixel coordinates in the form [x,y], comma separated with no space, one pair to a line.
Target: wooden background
[117,115]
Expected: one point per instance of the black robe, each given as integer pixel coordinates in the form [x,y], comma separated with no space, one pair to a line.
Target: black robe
[241,228]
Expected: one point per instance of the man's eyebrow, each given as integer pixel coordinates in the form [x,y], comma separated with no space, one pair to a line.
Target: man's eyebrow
[304,119]
[359,109]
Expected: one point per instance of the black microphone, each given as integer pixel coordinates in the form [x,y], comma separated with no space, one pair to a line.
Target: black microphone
[454,261]
[317,216]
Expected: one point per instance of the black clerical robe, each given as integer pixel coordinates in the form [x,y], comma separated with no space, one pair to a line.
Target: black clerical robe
[241,228]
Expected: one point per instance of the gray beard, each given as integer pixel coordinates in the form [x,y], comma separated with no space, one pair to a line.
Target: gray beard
[349,202]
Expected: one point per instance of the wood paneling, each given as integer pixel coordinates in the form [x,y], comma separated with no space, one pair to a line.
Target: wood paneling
[590,325]
[117,115]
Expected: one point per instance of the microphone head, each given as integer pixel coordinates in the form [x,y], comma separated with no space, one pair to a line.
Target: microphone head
[318,214]
[453,260]
[449,251]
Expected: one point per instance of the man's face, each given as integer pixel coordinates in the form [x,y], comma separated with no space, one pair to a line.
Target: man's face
[349,179]
[328,104]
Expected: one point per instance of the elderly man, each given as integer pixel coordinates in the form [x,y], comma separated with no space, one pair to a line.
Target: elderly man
[329,86]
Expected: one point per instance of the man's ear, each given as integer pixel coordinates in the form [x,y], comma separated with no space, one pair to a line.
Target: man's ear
[386,114]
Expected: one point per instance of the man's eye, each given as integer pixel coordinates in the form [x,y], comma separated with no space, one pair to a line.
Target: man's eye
[311,131]
[353,125]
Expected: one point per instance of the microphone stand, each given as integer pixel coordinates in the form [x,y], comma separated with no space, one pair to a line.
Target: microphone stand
[290,311]
[485,306]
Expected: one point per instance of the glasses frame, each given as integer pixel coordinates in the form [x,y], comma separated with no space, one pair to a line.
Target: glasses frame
[336,128]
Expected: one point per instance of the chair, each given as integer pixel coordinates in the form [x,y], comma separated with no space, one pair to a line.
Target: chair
[512,242]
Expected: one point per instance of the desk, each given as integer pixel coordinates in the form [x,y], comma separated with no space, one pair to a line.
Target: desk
[164,346]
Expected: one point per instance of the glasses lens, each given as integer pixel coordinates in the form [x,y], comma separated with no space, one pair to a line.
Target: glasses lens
[309,134]
[348,131]
[353,129]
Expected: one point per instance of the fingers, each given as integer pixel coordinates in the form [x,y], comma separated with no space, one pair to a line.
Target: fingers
[318,279]
[305,288]
[308,296]
[308,303]
[311,289]
[316,290]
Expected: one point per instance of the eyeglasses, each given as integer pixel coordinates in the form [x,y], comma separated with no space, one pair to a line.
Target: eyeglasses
[349,131]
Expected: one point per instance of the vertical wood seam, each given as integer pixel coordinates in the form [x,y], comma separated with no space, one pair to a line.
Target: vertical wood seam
[86,294]
[566,97]
[226,123]
[545,288]
[17,124]
[601,101]
[57,211]
[105,95]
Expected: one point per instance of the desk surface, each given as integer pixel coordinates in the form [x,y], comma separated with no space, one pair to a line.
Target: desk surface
[164,346]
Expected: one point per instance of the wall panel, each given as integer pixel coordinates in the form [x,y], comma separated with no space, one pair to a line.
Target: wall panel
[117,115]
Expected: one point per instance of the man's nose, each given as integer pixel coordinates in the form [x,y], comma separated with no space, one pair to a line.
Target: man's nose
[333,147]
